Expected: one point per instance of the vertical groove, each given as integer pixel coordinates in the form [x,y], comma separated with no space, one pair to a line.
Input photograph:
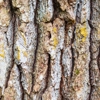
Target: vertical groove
[13,21]
[72,50]
[78,11]
[12,62]
[98,60]
[91,87]
[62,72]
[36,26]
[48,73]
[20,78]
[56,6]
[47,79]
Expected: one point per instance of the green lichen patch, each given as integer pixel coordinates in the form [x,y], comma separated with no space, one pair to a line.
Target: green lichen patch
[77,72]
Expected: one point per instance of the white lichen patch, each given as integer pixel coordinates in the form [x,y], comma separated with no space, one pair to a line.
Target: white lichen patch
[85,11]
[45,11]
[3,64]
[25,44]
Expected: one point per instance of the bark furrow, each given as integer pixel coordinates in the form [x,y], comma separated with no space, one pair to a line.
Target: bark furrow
[50,50]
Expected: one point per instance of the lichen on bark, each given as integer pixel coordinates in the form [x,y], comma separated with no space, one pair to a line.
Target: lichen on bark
[49,50]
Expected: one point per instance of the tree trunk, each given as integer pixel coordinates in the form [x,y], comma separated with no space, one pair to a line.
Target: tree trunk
[50,50]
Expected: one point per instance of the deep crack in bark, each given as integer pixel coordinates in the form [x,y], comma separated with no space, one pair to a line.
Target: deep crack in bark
[13,21]
[48,73]
[98,60]
[20,78]
[62,72]
[78,11]
[72,51]
[36,26]
[90,74]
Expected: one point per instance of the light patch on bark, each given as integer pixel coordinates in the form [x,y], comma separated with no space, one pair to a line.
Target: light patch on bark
[53,89]
[26,41]
[4,22]
[46,53]
[45,10]
[81,83]
[13,92]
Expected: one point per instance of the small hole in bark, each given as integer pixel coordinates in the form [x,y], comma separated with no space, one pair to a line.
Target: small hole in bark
[56,25]
[49,34]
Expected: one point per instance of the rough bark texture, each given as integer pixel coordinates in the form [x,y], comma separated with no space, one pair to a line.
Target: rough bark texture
[49,49]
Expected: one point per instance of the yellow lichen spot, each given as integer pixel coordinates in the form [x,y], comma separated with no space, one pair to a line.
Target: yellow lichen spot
[18,54]
[83,31]
[25,53]
[83,39]
[23,36]
[55,41]
[2,54]
[55,30]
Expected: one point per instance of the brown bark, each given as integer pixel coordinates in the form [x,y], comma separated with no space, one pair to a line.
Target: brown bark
[49,50]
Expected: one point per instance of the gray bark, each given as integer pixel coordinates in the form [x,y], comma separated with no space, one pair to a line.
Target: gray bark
[49,50]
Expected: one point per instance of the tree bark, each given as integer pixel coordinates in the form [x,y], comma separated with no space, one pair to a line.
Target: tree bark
[50,50]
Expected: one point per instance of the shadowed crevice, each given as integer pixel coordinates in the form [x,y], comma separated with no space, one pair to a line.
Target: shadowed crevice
[62,72]
[13,22]
[37,39]
[20,80]
[90,48]
[98,60]
[78,11]
[72,51]
[48,74]
[56,6]
[12,27]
